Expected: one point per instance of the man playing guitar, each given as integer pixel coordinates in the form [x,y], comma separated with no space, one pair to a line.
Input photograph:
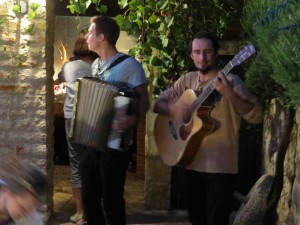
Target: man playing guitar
[210,175]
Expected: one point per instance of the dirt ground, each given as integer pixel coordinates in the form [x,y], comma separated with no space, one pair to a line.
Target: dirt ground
[64,205]
[63,202]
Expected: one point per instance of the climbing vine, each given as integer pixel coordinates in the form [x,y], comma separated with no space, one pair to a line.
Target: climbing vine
[17,8]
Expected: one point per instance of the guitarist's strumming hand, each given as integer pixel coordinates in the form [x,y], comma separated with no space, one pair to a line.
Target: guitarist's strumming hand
[182,110]
[178,110]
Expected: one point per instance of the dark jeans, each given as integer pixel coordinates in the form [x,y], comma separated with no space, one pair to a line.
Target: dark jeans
[103,179]
[209,197]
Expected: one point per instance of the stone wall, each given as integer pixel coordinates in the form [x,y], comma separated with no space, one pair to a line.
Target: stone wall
[274,131]
[157,174]
[26,93]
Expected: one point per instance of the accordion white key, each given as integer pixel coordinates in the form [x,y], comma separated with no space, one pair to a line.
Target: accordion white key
[115,137]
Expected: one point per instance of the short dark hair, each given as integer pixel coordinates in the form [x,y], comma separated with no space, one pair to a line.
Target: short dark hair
[108,26]
[205,35]
[20,176]
[81,48]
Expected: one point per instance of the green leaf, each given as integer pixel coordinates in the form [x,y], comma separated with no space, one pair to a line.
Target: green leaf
[164,41]
[141,9]
[152,19]
[154,26]
[136,3]
[126,25]
[16,9]
[4,48]
[171,21]
[35,6]
[2,20]
[132,16]
[72,8]
[155,61]
[139,23]
[101,8]
[30,28]
[87,3]
[119,19]
[163,4]
[123,3]
[31,15]
[81,9]
[147,50]
[150,6]
[185,6]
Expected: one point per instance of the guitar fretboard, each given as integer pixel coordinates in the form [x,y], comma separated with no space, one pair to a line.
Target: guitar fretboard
[209,89]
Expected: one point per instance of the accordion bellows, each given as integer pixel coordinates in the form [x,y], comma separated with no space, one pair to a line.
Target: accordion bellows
[93,111]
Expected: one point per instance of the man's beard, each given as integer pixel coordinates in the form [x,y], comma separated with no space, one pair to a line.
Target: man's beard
[204,70]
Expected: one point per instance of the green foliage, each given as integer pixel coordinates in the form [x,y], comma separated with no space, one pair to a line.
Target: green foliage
[19,59]
[80,6]
[164,28]
[34,7]
[30,28]
[16,9]
[273,26]
[4,48]
[2,20]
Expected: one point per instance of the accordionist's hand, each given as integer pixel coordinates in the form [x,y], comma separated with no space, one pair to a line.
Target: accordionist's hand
[123,122]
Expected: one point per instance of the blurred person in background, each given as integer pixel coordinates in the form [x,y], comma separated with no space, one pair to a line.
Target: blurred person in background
[78,66]
[21,186]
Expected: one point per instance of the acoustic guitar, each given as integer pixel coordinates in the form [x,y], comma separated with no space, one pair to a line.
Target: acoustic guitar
[177,140]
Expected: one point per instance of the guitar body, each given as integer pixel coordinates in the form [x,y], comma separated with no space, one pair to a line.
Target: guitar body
[176,147]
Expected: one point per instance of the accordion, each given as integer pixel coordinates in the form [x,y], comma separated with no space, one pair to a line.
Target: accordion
[96,103]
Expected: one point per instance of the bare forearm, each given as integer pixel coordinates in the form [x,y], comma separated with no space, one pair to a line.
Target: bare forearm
[143,104]
[242,105]
[143,108]
[161,107]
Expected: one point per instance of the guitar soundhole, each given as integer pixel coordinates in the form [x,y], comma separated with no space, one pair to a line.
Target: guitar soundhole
[173,130]
[186,129]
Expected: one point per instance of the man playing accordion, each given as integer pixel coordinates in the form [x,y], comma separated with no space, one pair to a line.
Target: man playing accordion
[104,170]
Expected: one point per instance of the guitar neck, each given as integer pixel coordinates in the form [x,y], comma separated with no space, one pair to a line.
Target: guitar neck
[209,89]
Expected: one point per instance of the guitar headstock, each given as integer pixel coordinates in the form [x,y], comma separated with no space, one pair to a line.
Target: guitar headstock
[242,55]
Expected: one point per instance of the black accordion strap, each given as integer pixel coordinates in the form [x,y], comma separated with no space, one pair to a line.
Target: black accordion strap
[114,63]
[117,61]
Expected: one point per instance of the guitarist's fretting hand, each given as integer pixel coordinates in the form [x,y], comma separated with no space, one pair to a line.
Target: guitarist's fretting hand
[224,87]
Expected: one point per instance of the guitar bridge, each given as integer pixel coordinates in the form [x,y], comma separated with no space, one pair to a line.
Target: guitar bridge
[173,130]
